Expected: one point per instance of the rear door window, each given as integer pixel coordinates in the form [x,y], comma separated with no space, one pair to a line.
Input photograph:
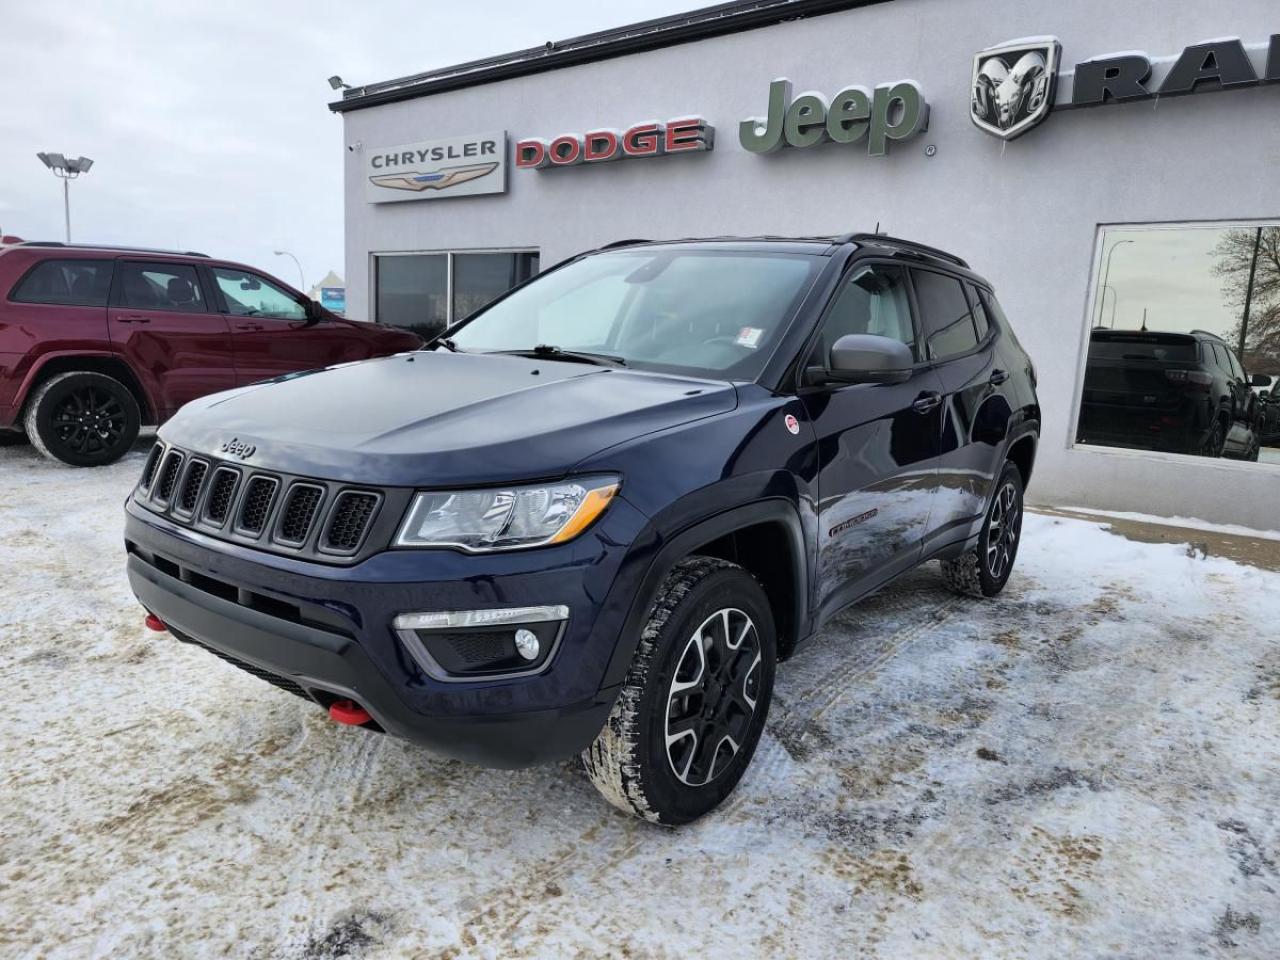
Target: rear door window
[76,283]
[980,321]
[945,314]
[173,287]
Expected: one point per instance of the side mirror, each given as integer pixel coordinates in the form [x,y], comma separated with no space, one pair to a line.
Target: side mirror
[313,310]
[865,358]
[1259,380]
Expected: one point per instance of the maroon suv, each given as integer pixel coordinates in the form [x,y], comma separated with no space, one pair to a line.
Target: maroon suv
[96,341]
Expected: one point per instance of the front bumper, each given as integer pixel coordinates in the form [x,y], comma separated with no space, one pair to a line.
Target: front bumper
[327,631]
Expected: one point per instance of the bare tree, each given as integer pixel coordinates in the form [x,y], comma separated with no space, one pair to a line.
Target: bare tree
[1245,254]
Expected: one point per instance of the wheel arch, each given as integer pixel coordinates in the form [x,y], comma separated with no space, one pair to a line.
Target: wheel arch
[1022,453]
[766,538]
[106,364]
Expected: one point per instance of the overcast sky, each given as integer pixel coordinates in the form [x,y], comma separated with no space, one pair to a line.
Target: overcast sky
[207,122]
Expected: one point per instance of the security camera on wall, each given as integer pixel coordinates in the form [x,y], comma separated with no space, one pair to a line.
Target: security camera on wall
[353,147]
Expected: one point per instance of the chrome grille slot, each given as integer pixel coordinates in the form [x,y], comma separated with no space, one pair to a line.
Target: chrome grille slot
[191,486]
[255,505]
[168,477]
[299,510]
[221,491]
[349,520]
[149,468]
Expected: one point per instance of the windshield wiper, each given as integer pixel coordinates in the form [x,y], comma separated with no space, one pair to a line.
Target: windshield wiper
[573,356]
[449,345]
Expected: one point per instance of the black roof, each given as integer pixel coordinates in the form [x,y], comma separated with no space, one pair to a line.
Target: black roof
[700,24]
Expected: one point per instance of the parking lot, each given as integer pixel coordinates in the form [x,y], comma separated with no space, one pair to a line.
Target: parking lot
[1087,766]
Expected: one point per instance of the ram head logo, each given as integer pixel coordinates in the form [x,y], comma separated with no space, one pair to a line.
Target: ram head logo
[435,179]
[1014,86]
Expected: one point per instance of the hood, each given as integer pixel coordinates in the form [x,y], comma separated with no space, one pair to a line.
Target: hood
[443,418]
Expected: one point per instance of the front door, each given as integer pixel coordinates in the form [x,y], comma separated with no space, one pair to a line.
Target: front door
[161,320]
[877,446]
[270,329]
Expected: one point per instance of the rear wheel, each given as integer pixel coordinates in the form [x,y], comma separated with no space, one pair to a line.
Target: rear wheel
[83,419]
[1214,441]
[691,711]
[983,571]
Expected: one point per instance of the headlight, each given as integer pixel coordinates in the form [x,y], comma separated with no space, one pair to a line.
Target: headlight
[505,518]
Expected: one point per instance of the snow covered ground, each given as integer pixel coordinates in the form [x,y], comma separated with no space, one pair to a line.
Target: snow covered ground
[1088,766]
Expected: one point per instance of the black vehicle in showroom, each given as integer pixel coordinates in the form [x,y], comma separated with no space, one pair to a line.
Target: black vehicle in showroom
[1173,392]
[592,517]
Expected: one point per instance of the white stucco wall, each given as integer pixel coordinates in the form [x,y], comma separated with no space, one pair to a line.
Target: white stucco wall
[1025,215]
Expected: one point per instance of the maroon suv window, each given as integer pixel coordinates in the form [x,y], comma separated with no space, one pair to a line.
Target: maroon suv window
[75,283]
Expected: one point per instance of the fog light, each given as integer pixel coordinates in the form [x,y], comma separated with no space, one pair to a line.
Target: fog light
[527,644]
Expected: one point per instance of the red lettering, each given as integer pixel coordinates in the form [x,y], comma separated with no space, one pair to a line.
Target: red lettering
[531,154]
[600,145]
[643,140]
[686,134]
[565,150]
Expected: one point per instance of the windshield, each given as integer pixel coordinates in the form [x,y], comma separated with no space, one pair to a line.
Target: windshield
[703,313]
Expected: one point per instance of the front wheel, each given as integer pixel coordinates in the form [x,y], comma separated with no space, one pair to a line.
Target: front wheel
[693,706]
[983,571]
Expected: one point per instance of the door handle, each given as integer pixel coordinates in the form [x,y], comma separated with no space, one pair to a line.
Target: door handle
[134,318]
[248,326]
[926,402]
[998,377]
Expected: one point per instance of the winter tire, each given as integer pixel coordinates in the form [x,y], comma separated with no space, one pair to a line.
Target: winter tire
[983,571]
[82,419]
[695,699]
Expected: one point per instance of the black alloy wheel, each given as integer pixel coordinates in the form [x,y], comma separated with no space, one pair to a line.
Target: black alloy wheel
[83,419]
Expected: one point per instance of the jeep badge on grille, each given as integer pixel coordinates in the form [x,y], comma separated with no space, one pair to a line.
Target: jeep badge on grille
[238,448]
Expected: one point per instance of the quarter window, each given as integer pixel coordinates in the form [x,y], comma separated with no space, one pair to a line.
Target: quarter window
[76,283]
[945,314]
[873,301]
[173,287]
[248,295]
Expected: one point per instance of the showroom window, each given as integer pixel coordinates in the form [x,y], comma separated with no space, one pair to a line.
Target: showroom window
[426,292]
[1183,351]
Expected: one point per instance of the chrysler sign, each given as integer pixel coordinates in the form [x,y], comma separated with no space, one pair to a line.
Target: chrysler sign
[450,167]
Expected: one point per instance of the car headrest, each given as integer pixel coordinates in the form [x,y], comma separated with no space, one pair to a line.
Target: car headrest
[180,290]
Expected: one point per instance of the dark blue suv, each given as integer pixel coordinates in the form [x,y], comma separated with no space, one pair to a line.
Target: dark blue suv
[592,517]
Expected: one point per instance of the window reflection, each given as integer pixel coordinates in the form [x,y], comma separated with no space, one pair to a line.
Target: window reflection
[1184,350]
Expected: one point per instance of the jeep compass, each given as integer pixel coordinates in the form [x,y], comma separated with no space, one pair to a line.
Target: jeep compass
[592,518]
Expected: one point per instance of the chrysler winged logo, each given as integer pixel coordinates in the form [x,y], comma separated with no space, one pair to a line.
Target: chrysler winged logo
[440,179]
[1014,86]
[236,447]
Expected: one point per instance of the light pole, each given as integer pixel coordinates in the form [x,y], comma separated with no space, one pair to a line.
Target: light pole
[301,279]
[1106,277]
[66,170]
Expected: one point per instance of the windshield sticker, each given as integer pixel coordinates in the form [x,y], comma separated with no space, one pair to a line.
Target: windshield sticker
[749,337]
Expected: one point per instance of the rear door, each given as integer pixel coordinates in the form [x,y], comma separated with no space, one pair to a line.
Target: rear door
[162,320]
[877,445]
[974,414]
[270,329]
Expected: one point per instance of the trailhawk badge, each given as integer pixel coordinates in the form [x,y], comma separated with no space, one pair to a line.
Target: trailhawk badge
[1014,85]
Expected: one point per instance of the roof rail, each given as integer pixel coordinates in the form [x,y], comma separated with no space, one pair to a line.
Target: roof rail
[624,243]
[887,240]
[106,246]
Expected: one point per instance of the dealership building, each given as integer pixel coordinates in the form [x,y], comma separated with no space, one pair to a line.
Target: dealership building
[1107,166]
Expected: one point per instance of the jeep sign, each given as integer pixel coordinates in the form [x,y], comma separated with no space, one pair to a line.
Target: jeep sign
[891,112]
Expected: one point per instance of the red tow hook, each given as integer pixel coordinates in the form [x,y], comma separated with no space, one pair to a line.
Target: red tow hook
[349,712]
[155,623]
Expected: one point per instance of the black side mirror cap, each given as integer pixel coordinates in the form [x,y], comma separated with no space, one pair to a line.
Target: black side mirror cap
[866,358]
[1259,380]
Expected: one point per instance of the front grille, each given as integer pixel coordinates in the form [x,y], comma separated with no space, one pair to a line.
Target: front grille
[326,521]
[255,505]
[149,468]
[191,485]
[168,475]
[298,511]
[218,505]
[349,520]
